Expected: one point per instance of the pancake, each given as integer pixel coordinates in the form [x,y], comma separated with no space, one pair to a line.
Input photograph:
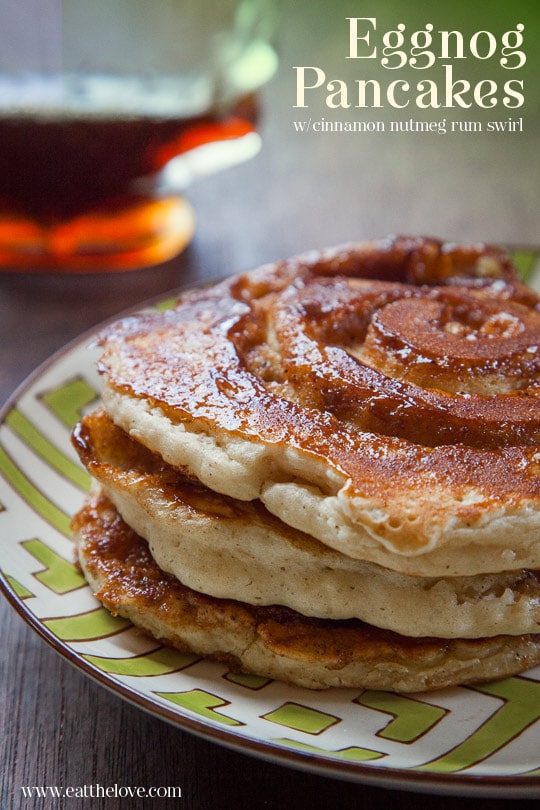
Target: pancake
[234,549]
[272,642]
[327,470]
[379,397]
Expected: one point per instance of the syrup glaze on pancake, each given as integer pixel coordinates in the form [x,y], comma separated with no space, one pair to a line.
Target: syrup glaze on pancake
[234,549]
[423,382]
[276,642]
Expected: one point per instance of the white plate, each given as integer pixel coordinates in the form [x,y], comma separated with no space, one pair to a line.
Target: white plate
[467,740]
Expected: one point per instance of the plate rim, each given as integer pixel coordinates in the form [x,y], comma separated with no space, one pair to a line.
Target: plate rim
[458,784]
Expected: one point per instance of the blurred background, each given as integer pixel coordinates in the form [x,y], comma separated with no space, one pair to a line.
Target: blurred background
[324,188]
[308,189]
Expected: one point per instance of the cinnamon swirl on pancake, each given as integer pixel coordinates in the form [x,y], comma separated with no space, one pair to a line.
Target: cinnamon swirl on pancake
[352,435]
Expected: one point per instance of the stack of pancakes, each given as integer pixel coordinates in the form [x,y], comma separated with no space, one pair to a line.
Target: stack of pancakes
[327,470]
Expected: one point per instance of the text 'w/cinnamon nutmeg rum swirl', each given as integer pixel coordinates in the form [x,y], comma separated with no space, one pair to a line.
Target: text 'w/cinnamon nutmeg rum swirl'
[351,436]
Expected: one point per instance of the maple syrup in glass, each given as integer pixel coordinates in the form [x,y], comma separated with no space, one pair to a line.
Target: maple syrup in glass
[97,146]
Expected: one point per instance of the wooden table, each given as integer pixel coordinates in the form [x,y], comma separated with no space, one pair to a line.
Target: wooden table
[301,191]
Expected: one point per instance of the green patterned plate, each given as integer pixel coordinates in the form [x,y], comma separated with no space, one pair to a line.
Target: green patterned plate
[467,740]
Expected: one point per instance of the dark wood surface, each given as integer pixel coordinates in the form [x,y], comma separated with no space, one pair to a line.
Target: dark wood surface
[300,192]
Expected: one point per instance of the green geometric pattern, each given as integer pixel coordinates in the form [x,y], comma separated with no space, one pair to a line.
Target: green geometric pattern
[524,261]
[520,708]
[47,451]
[391,730]
[59,575]
[32,495]
[301,718]
[68,401]
[167,303]
[351,754]
[247,681]
[18,588]
[202,703]
[412,718]
[159,662]
[96,624]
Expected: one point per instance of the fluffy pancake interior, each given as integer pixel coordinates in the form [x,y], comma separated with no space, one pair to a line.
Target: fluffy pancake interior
[271,642]
[307,496]
[233,549]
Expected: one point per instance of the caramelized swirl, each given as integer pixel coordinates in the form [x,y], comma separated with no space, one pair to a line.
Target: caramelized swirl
[432,365]
[398,364]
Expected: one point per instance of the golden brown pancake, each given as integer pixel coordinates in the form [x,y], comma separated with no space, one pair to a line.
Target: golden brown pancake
[382,398]
[276,642]
[236,549]
[335,461]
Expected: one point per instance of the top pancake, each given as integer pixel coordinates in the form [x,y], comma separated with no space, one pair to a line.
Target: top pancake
[381,397]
